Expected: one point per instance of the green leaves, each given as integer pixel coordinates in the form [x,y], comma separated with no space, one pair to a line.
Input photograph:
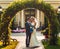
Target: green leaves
[18,6]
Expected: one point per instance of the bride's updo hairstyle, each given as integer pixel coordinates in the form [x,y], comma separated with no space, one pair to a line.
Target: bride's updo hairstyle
[35,21]
[32,17]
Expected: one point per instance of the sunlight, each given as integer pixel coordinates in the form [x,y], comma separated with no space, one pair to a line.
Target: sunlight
[39,1]
[20,0]
[17,0]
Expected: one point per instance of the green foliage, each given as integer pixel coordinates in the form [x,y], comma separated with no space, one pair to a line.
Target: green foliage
[47,46]
[46,21]
[58,17]
[13,25]
[18,6]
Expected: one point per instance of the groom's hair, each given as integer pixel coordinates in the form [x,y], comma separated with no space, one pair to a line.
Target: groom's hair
[28,18]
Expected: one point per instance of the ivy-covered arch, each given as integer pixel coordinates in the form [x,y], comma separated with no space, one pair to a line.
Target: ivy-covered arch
[15,7]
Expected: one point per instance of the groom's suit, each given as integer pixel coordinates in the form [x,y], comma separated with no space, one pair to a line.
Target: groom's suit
[28,34]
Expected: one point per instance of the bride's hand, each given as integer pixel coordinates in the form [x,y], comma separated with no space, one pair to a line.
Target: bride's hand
[34,24]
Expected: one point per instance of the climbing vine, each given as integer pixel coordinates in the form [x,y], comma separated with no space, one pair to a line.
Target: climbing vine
[15,7]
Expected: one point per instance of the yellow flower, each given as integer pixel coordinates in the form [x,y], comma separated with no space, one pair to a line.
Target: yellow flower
[39,1]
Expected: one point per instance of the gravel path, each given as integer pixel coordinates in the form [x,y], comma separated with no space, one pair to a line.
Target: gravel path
[21,38]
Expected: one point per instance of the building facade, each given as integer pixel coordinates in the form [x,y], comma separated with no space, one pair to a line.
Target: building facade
[21,16]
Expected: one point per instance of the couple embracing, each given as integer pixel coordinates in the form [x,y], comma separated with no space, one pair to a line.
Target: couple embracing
[31,40]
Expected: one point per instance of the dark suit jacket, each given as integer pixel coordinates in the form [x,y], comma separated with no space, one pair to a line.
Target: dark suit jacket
[27,26]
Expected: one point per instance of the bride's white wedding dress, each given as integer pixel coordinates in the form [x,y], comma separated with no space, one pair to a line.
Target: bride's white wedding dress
[33,41]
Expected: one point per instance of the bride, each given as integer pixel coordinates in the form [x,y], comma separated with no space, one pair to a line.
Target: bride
[33,41]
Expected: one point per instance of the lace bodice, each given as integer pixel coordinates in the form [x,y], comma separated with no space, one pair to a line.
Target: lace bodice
[32,24]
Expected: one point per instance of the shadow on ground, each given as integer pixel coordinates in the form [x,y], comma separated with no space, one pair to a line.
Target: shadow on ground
[31,47]
[28,48]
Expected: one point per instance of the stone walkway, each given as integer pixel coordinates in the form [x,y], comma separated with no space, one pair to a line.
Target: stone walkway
[21,38]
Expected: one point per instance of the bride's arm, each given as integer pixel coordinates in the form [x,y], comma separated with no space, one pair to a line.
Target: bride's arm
[34,24]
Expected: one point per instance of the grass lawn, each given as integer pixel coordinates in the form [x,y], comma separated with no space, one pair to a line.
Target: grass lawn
[11,46]
[47,46]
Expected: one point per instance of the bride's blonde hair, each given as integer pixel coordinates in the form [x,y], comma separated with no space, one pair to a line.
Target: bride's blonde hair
[32,17]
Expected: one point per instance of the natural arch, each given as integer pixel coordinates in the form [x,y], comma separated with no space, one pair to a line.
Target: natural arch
[15,7]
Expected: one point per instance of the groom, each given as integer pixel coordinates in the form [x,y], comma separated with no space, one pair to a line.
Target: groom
[28,34]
